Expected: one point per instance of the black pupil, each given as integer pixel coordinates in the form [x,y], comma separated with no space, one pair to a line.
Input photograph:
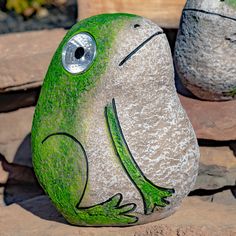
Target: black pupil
[79,52]
[136,25]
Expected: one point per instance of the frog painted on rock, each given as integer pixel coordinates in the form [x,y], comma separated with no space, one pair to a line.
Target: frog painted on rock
[205,50]
[112,145]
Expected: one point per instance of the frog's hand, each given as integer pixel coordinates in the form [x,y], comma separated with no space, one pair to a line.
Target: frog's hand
[108,213]
[62,169]
[153,196]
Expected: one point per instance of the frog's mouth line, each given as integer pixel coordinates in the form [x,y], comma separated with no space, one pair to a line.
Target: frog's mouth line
[209,13]
[139,47]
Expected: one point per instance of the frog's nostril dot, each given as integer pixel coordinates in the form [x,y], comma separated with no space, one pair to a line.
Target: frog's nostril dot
[136,25]
[79,52]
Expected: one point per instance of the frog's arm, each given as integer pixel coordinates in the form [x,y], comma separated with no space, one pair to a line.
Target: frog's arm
[65,178]
[152,195]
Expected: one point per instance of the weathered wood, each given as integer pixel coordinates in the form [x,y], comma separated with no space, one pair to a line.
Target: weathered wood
[166,13]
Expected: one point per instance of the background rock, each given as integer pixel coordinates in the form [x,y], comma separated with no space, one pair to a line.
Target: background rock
[14,136]
[211,120]
[216,181]
[205,49]
[31,53]
[226,197]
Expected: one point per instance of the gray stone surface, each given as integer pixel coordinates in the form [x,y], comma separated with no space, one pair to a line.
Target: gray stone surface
[13,100]
[205,51]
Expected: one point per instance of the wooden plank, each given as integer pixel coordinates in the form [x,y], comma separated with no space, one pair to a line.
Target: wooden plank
[166,13]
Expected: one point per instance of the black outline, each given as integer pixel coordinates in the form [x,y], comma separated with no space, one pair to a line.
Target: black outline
[117,206]
[161,188]
[209,13]
[139,47]
[85,155]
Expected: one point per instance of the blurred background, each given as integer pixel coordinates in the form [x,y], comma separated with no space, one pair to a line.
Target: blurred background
[28,15]
[30,31]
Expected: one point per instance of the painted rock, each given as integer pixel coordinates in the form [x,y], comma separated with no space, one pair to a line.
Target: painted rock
[205,51]
[112,146]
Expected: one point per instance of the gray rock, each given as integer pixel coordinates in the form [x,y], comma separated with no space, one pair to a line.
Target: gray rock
[205,51]
[214,177]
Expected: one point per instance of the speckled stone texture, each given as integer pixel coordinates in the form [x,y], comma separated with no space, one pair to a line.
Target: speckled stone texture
[154,124]
[205,51]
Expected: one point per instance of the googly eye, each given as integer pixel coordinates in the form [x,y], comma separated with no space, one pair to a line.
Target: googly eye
[79,53]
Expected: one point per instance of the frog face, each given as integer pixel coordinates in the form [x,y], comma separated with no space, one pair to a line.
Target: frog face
[104,47]
[89,49]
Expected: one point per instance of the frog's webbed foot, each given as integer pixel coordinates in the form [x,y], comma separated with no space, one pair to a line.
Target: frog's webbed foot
[154,196]
[110,212]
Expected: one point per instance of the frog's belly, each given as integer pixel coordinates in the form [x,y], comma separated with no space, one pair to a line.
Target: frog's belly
[106,175]
[159,137]
[165,151]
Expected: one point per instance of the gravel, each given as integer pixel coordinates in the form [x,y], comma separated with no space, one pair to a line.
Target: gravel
[59,17]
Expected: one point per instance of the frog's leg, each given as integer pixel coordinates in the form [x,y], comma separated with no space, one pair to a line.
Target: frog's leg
[153,196]
[64,177]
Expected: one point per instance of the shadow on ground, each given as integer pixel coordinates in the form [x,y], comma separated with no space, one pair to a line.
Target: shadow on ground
[22,187]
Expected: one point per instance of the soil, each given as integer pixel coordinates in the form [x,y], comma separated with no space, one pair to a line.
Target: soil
[63,16]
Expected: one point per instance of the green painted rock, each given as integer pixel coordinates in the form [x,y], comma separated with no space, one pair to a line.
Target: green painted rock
[205,51]
[112,146]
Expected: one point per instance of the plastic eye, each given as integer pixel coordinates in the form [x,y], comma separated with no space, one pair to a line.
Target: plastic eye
[79,53]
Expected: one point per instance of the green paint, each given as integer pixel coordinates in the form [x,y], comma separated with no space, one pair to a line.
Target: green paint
[64,103]
[231,93]
[66,176]
[153,196]
[231,3]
